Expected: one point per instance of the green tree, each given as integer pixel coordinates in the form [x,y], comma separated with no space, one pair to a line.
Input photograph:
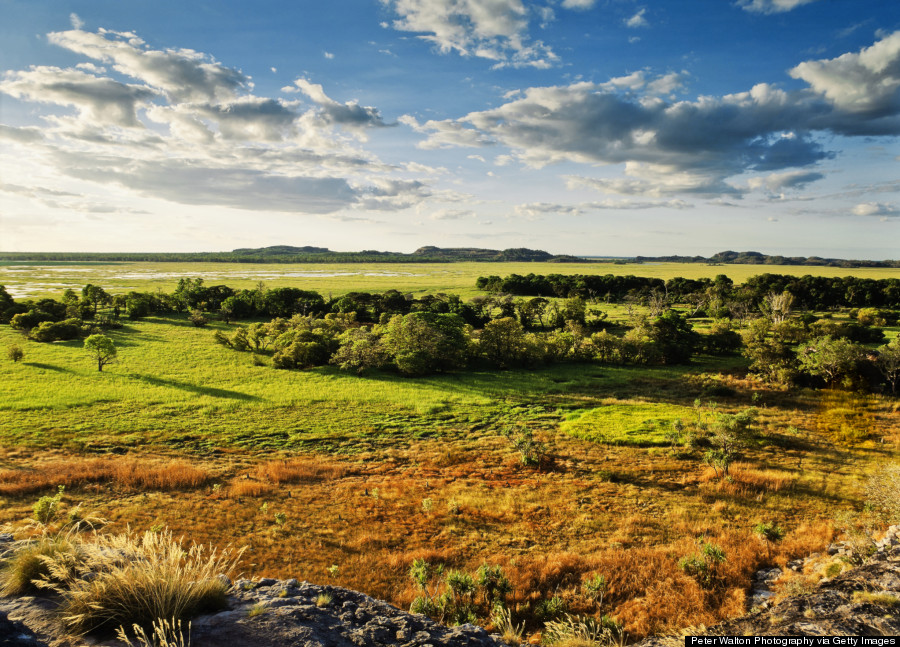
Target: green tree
[360,349]
[888,363]
[424,342]
[772,358]
[102,349]
[95,295]
[831,359]
[503,342]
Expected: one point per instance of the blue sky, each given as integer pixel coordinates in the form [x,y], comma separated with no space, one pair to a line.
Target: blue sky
[596,127]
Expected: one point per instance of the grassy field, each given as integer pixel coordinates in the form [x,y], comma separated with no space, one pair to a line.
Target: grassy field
[371,473]
[41,280]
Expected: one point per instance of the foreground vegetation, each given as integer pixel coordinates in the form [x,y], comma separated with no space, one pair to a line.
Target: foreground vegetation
[599,488]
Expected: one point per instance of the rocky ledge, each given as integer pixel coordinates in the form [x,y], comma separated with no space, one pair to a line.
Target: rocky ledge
[272,613]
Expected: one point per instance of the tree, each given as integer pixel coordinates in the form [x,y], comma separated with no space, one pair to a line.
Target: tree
[102,349]
[95,295]
[503,342]
[888,363]
[831,359]
[425,342]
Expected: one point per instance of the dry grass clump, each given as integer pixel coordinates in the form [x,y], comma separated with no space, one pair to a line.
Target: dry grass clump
[243,487]
[127,579]
[175,475]
[299,471]
[746,479]
[29,564]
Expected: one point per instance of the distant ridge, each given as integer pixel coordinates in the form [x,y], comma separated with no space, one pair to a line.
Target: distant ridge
[757,258]
[281,249]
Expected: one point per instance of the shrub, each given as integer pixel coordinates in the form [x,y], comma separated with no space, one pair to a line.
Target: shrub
[15,353]
[47,507]
[121,579]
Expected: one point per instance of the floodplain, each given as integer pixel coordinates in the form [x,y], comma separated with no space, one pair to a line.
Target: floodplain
[335,478]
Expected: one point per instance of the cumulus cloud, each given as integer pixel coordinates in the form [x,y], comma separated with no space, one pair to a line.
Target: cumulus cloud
[183,74]
[859,83]
[349,114]
[637,20]
[771,6]
[688,147]
[878,209]
[97,99]
[220,144]
[495,30]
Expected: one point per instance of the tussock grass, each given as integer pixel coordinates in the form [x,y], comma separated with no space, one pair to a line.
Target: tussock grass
[299,471]
[30,564]
[136,579]
[175,475]
[747,479]
[241,487]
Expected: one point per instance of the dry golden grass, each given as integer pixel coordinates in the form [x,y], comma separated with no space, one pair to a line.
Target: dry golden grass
[132,473]
[299,471]
[627,514]
[241,487]
[747,479]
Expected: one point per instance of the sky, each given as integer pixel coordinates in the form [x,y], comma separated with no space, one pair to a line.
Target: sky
[588,127]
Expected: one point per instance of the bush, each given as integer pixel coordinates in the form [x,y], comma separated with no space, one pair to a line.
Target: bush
[123,579]
[48,331]
[15,353]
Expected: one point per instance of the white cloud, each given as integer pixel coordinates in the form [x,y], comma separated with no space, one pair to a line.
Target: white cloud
[878,209]
[672,147]
[76,21]
[328,55]
[771,6]
[579,4]
[865,82]
[492,29]
[349,115]
[637,20]
[780,182]
[218,145]
[451,214]
[97,99]
[183,74]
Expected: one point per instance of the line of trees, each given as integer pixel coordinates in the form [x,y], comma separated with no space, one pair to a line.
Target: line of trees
[719,295]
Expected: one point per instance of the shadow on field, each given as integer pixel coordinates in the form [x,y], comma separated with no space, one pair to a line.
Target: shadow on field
[47,367]
[196,389]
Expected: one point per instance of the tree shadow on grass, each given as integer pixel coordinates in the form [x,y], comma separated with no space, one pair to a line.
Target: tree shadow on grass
[47,367]
[196,388]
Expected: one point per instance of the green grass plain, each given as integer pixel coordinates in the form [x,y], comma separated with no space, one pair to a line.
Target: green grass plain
[43,280]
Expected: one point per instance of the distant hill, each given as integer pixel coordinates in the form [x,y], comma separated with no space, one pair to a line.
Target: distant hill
[517,254]
[757,258]
[279,250]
